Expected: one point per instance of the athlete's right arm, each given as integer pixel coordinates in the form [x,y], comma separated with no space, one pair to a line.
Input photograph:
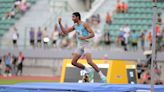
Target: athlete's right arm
[65,31]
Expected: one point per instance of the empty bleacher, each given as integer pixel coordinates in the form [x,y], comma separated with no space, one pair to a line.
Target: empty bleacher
[6,6]
[138,17]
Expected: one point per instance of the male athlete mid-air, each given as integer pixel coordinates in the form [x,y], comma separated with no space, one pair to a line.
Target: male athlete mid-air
[83,35]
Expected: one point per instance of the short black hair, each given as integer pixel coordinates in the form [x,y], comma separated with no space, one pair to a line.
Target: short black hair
[77,14]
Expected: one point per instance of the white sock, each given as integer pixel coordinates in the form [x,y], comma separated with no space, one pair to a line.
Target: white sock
[87,69]
[101,74]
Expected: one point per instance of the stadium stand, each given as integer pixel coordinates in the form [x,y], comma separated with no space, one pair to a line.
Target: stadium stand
[6,9]
[138,17]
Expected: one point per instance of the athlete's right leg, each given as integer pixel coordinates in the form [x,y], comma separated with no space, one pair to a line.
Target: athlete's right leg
[90,62]
[75,59]
[87,53]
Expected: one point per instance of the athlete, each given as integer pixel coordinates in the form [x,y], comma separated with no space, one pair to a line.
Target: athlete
[83,35]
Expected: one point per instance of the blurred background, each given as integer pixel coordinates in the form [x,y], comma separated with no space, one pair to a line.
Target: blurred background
[32,46]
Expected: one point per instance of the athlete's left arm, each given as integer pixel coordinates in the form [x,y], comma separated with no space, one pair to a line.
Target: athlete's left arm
[90,31]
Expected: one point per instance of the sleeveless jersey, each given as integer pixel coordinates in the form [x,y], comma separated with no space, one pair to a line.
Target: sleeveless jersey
[81,31]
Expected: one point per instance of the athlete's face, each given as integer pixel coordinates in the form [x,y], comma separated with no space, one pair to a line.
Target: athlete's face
[74,18]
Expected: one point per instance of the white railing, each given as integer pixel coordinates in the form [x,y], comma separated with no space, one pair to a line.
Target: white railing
[96,4]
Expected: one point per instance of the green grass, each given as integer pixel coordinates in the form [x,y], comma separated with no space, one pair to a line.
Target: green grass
[8,81]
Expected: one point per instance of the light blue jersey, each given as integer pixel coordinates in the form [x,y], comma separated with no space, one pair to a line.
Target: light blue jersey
[81,31]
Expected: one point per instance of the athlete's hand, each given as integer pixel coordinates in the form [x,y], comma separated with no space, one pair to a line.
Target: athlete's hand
[59,19]
[82,38]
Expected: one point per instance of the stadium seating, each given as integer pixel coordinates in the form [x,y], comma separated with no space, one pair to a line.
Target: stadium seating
[138,17]
[6,6]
